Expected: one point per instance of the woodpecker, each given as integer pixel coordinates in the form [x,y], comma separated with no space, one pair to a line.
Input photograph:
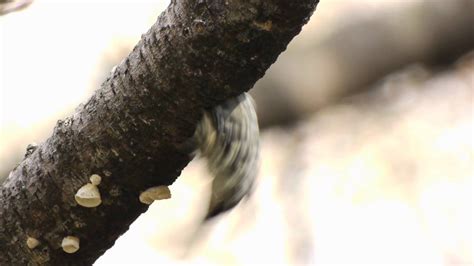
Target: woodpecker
[228,137]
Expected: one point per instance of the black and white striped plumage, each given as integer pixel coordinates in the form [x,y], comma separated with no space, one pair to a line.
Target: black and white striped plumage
[228,137]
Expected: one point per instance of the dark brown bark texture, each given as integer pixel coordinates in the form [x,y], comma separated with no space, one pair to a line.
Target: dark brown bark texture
[197,54]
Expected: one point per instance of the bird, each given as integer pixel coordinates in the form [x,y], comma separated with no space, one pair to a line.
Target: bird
[227,136]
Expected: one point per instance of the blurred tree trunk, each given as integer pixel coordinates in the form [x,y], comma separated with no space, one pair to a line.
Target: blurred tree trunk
[353,55]
[130,131]
[7,6]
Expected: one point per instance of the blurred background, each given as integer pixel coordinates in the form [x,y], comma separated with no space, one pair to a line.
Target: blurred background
[366,130]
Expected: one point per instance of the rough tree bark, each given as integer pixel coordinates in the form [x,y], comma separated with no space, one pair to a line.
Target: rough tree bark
[197,54]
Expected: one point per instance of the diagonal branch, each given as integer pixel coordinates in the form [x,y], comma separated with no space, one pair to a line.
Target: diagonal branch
[197,54]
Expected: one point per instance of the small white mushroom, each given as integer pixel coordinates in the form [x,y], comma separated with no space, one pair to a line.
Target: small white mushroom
[70,244]
[32,242]
[155,193]
[95,179]
[88,196]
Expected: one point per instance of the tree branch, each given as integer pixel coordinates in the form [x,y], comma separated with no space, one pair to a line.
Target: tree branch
[197,54]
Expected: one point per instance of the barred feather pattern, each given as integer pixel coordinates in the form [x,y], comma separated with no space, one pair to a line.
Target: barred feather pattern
[228,137]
